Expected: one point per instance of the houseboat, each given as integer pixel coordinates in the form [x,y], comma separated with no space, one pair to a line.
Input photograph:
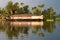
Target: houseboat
[27,17]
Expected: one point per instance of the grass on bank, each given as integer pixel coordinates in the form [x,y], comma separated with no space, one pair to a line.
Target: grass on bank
[57,19]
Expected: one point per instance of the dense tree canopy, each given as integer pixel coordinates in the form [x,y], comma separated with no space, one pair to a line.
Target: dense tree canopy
[49,13]
[14,8]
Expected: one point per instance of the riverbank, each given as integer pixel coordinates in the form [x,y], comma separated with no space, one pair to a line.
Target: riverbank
[50,20]
[57,19]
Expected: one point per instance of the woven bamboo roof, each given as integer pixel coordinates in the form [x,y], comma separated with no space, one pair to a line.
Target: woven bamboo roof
[23,15]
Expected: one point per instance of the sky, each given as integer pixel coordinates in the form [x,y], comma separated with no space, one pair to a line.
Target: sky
[48,3]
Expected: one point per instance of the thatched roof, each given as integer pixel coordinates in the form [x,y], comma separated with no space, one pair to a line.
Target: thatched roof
[23,15]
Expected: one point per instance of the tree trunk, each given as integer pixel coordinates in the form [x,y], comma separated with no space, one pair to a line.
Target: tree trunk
[11,12]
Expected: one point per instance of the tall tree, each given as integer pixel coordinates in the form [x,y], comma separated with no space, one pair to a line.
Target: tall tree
[9,7]
[15,8]
[26,9]
[40,7]
[49,13]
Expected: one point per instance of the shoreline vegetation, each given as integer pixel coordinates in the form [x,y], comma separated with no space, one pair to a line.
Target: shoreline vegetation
[14,9]
[57,19]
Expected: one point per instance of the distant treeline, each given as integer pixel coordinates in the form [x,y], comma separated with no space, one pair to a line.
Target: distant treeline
[16,8]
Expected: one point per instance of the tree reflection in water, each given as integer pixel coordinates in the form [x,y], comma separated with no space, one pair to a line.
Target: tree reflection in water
[49,26]
[15,31]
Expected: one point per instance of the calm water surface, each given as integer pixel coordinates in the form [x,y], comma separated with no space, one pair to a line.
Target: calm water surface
[35,30]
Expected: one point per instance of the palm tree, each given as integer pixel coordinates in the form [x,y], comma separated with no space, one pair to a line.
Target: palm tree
[22,4]
[26,9]
[15,7]
[40,7]
[51,12]
[34,10]
[9,7]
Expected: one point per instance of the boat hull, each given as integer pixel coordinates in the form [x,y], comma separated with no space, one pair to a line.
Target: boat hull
[24,19]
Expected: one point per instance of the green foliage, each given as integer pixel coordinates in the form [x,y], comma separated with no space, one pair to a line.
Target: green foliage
[57,19]
[41,6]
[20,11]
[38,9]
[49,13]
[49,26]
[25,8]
[14,8]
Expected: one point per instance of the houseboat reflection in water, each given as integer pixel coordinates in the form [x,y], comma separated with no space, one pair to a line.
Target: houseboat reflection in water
[23,29]
[25,23]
